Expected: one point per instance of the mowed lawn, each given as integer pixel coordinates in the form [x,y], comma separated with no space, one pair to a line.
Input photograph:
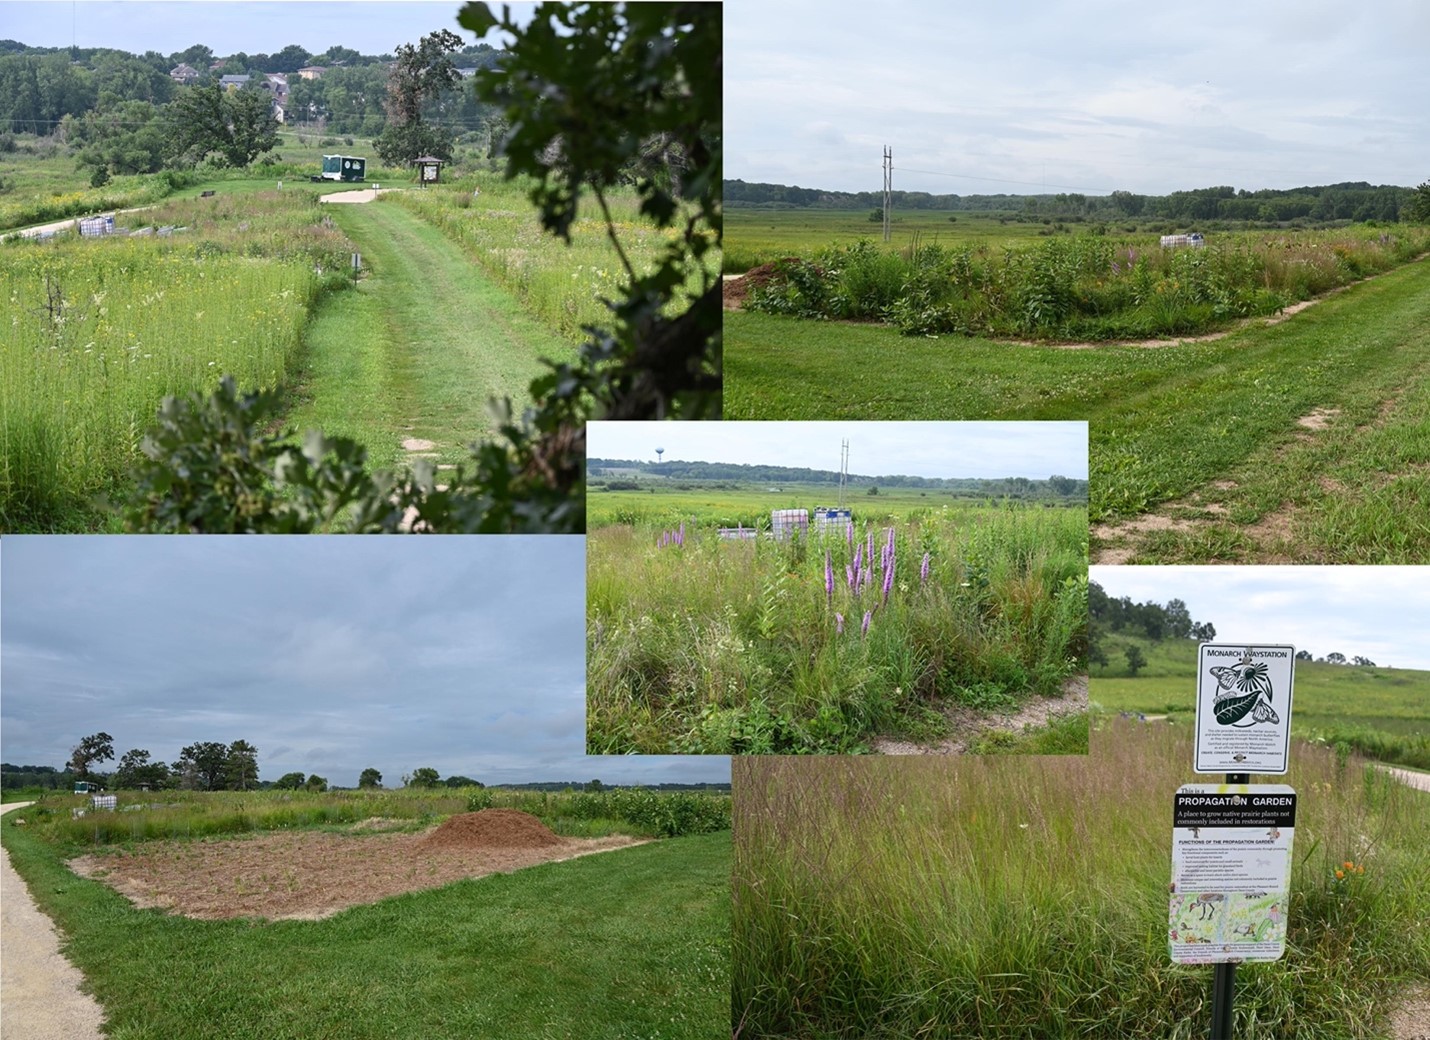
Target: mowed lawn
[629,945]
[1302,441]
[422,346]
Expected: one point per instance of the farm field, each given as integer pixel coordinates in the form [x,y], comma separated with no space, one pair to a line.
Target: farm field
[925,625]
[733,504]
[1298,441]
[631,942]
[1380,712]
[762,236]
[883,899]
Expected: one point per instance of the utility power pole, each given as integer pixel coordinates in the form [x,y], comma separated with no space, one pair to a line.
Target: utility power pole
[843,470]
[888,187]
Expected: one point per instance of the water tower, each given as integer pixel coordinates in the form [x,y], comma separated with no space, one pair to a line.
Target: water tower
[658,453]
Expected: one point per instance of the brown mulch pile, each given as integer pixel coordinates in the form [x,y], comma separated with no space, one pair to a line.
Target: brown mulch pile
[735,289]
[492,828]
[310,874]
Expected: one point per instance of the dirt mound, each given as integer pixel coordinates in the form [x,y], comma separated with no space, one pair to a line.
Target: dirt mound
[492,828]
[735,288]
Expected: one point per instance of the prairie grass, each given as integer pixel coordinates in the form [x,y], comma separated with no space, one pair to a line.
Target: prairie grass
[1027,898]
[561,286]
[704,645]
[101,330]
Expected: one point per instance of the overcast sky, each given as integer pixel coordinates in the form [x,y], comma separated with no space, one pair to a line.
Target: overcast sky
[1381,613]
[264,27]
[916,449]
[330,654]
[1088,96]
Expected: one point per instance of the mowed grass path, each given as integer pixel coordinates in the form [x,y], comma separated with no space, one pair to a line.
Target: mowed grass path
[421,346]
[1167,422]
[630,944]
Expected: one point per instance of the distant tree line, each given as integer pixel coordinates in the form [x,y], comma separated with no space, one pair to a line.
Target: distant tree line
[1000,487]
[123,113]
[1158,621]
[1351,200]
[202,766]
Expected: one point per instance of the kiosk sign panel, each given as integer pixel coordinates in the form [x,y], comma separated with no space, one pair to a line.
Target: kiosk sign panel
[1231,872]
[1243,708]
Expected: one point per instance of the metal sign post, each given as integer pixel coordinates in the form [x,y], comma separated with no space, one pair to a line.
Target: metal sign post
[1224,975]
[1231,852]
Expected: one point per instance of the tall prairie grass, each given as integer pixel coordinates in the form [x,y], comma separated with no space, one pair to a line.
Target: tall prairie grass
[99,331]
[706,645]
[1091,287]
[561,285]
[1027,898]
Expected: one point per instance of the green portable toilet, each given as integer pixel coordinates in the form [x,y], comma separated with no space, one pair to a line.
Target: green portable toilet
[344,168]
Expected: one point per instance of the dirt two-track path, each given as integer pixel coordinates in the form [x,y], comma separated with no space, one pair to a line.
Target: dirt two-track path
[39,990]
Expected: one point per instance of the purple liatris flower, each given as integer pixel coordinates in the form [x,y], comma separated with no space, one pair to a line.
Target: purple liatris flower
[858,556]
[888,579]
[864,629]
[838,624]
[828,577]
[849,533]
[849,575]
[681,540]
[924,570]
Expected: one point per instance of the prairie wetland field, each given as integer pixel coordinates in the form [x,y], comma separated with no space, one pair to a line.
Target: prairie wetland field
[460,299]
[1261,399]
[439,913]
[919,621]
[1027,898]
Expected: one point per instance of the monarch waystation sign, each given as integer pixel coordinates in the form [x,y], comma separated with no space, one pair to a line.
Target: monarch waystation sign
[1243,708]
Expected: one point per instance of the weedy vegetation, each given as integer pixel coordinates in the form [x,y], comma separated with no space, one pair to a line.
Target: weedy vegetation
[1027,898]
[704,644]
[1085,288]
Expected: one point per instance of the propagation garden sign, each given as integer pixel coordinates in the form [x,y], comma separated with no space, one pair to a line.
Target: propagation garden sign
[1231,872]
[1243,708]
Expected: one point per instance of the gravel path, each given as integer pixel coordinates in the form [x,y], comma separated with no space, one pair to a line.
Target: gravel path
[42,1000]
[1414,779]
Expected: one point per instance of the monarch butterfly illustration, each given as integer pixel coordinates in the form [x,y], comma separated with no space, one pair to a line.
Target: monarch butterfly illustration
[1243,689]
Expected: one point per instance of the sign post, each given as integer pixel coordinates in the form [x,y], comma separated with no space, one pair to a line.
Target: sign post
[1231,843]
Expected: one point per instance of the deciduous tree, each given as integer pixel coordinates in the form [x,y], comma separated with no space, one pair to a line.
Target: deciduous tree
[370,778]
[98,747]
[423,73]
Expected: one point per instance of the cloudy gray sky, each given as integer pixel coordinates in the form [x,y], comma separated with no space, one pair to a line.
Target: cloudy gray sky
[331,654]
[264,27]
[917,449]
[1381,613]
[1088,96]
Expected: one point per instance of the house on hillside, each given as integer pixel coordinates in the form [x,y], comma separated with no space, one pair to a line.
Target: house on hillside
[233,82]
[312,71]
[183,74]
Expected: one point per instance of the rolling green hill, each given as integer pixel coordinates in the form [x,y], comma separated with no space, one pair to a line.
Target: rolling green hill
[1381,712]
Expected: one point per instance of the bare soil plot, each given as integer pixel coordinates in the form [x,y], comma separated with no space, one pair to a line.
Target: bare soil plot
[312,875]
